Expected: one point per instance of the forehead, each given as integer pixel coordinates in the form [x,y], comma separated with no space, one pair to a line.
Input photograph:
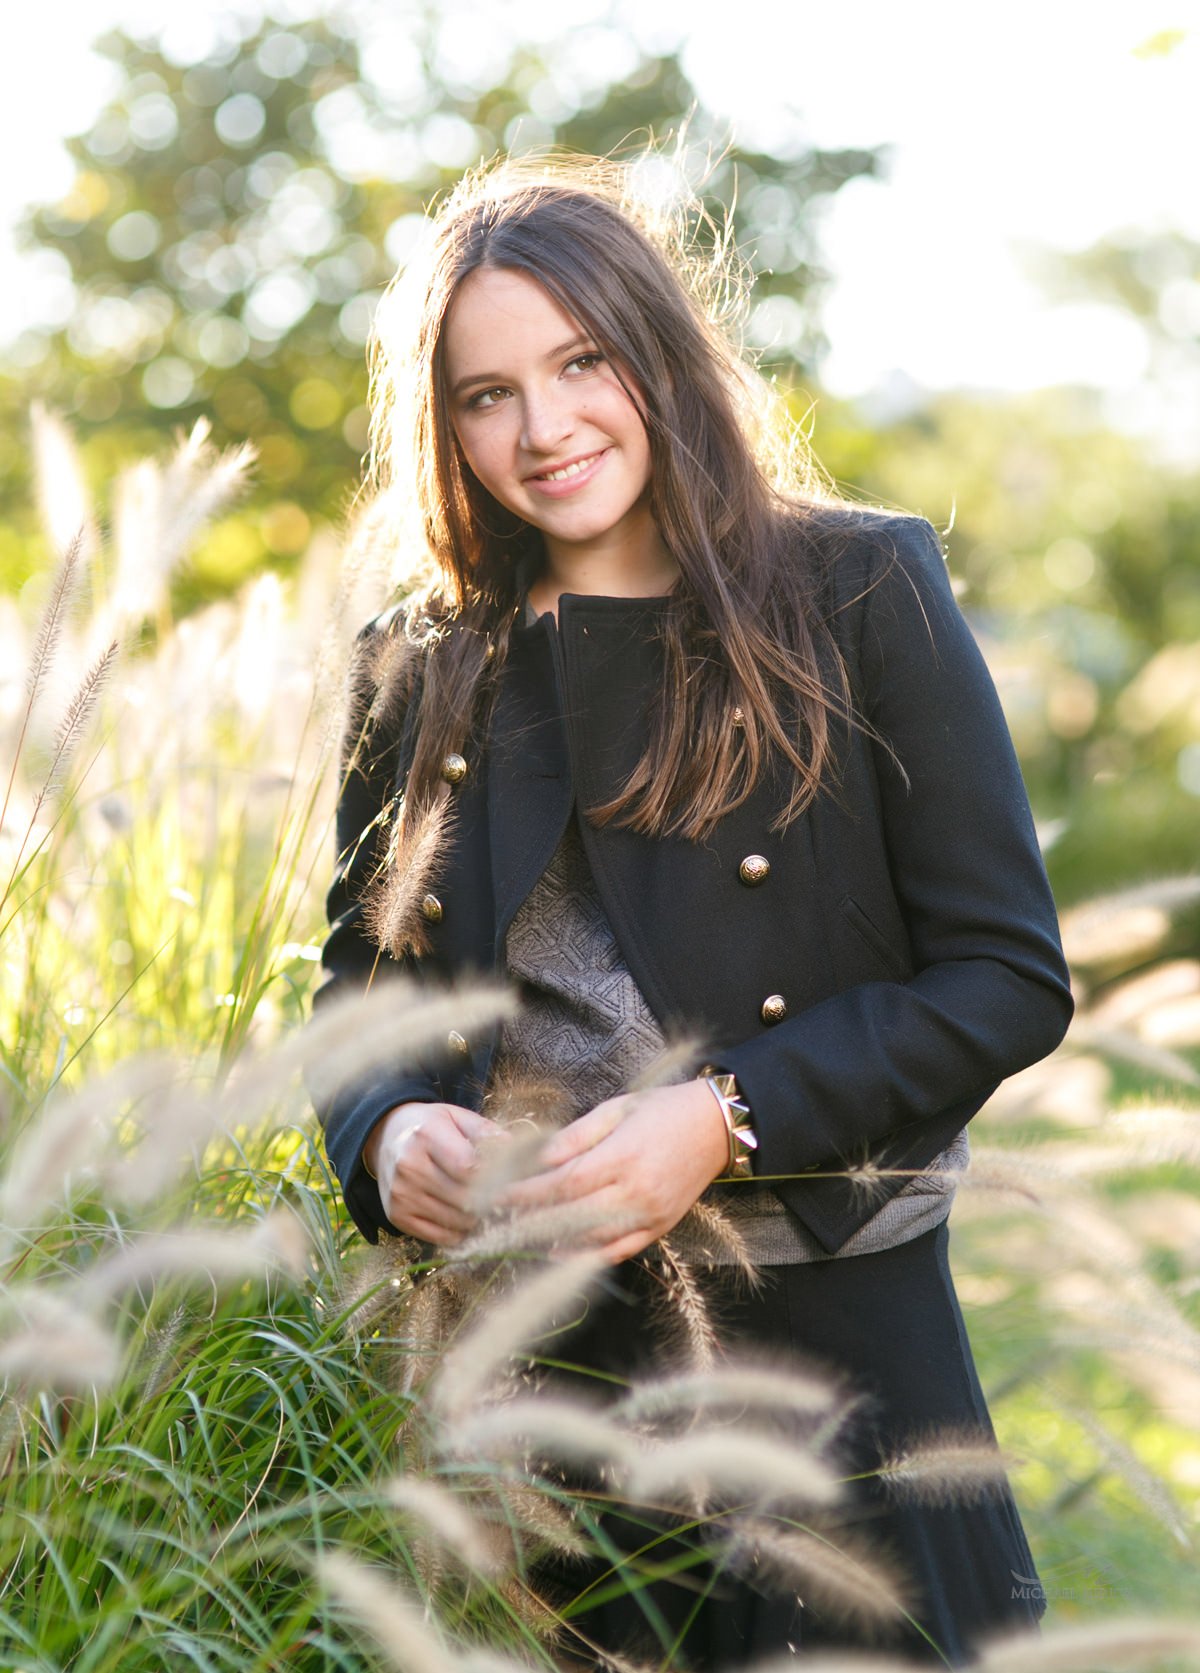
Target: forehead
[499,314]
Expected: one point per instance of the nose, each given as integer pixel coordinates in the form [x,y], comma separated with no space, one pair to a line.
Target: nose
[546,421]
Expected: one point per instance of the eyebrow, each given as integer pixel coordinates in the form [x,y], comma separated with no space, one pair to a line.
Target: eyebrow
[486,379]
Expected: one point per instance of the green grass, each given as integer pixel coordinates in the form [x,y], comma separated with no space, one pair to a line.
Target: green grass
[176,1512]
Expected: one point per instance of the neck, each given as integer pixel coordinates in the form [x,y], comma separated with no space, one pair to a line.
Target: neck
[613,574]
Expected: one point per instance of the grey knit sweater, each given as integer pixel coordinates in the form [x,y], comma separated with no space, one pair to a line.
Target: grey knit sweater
[586,1028]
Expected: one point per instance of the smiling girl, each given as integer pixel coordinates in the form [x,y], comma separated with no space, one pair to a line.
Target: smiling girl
[683,749]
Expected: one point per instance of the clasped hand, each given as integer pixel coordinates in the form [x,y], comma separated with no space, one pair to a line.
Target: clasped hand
[629,1169]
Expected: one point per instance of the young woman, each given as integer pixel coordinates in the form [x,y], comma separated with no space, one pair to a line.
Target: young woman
[683,749]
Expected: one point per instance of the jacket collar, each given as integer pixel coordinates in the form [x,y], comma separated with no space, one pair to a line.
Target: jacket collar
[590,605]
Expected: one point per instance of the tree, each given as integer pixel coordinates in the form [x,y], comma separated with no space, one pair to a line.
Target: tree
[234,219]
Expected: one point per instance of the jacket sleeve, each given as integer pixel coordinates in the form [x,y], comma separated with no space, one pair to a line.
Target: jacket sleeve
[351,959]
[888,1071]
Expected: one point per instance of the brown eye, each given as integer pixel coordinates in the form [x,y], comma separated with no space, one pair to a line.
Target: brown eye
[487,397]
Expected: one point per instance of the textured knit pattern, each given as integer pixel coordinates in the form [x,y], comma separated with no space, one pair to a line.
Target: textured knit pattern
[585,1027]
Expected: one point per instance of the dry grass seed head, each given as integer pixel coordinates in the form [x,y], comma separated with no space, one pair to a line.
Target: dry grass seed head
[504,1327]
[538,1615]
[375,1288]
[707,1225]
[677,1061]
[48,1342]
[1131,1048]
[530,1231]
[680,1312]
[75,721]
[390,1025]
[392,1617]
[435,1309]
[539,1518]
[1126,924]
[1131,1642]
[63,498]
[514,1097]
[846,1577]
[415,854]
[949,1467]
[223,1255]
[756,1467]
[503,1160]
[751,1382]
[836,1661]
[1149,1487]
[541,1426]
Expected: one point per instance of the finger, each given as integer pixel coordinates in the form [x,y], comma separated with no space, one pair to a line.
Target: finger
[408,1210]
[454,1154]
[474,1126]
[569,1183]
[421,1175]
[586,1132]
[432,1231]
[605,1167]
[415,1157]
[624,1248]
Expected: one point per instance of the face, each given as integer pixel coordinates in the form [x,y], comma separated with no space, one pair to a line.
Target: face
[543,421]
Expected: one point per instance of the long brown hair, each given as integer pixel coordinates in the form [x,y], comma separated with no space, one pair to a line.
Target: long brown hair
[745,627]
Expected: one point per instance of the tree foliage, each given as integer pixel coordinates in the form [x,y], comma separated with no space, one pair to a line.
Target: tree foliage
[233,220]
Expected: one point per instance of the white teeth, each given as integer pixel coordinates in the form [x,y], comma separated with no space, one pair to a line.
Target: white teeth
[568,470]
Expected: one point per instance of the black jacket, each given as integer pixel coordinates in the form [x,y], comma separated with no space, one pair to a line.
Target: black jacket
[906,931]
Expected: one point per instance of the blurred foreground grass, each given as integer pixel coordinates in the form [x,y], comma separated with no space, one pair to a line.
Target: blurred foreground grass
[220,1406]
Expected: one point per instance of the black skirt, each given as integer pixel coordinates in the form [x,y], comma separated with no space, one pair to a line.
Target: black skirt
[888,1326]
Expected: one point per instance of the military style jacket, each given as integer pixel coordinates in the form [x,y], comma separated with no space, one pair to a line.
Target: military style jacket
[870,974]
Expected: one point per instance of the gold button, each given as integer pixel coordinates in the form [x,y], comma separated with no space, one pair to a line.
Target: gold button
[774,1008]
[431,908]
[456,1043]
[754,869]
[454,769]
[737,718]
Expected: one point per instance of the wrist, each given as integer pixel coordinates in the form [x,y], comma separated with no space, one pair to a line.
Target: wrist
[373,1145]
[741,1137]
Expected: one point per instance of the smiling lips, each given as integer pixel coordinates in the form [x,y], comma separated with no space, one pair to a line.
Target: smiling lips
[566,477]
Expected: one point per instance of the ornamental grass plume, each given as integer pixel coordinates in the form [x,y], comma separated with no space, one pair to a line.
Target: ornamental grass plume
[541,1426]
[1134,1642]
[719,1237]
[49,1341]
[130,1129]
[414,853]
[844,1576]
[754,1382]
[946,1468]
[542,1519]
[506,1327]
[519,1235]
[837,1661]
[159,509]
[74,723]
[64,501]
[224,1255]
[448,1518]
[1121,1459]
[1130,1048]
[755,1468]
[1126,925]
[391,1616]
[680,1308]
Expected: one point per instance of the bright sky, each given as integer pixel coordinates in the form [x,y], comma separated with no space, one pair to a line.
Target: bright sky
[1027,122]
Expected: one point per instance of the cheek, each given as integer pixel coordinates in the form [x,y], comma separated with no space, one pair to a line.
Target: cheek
[474,455]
